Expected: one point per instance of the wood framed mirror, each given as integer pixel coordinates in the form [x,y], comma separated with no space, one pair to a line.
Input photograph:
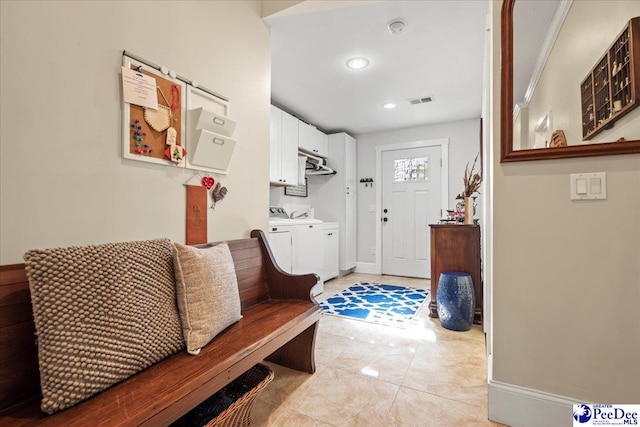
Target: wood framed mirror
[576,146]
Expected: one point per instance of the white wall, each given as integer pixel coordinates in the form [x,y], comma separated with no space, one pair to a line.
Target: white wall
[63,179]
[566,275]
[464,145]
[278,198]
[576,51]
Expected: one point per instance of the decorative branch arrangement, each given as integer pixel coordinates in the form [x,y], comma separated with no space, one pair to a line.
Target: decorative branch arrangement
[472,180]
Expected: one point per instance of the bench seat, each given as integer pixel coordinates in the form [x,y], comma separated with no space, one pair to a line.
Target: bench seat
[281,330]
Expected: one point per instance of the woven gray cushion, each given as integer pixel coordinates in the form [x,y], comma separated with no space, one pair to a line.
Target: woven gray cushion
[102,313]
[207,288]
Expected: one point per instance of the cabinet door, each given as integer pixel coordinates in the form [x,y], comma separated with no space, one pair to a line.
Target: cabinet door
[348,259]
[349,232]
[350,164]
[456,248]
[331,254]
[289,156]
[312,141]
[275,142]
[320,143]
[308,252]
[305,137]
[281,242]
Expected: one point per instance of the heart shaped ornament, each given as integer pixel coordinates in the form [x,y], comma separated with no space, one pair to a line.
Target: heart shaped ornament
[159,119]
[208,182]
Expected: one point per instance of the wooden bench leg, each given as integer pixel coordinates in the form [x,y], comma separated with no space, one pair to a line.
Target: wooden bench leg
[299,353]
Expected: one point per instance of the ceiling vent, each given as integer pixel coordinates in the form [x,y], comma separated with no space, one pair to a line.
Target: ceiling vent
[421,100]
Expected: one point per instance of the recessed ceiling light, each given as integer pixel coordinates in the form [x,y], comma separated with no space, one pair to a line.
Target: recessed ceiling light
[357,63]
[389,105]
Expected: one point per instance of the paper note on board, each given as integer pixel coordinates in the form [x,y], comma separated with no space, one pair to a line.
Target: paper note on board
[139,89]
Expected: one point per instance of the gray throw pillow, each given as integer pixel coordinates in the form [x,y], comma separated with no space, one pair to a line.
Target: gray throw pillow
[208,296]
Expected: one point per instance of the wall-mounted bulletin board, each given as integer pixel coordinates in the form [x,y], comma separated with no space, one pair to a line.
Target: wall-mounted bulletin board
[170,120]
[140,140]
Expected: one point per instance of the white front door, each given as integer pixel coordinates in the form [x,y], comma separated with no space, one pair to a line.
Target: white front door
[411,200]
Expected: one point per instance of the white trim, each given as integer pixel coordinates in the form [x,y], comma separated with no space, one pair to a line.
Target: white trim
[517,109]
[444,179]
[485,196]
[523,407]
[367,268]
[547,46]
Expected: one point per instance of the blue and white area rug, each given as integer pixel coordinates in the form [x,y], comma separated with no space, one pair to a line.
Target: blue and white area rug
[390,305]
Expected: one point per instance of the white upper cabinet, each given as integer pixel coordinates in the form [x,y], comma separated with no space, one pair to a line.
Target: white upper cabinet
[284,148]
[312,141]
[289,149]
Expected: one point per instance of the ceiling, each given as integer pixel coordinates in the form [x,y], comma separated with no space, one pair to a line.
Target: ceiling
[439,54]
[532,20]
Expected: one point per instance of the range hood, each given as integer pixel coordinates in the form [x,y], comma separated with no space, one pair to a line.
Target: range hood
[316,165]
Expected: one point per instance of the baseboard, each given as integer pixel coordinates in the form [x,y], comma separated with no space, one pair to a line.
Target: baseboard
[525,407]
[367,268]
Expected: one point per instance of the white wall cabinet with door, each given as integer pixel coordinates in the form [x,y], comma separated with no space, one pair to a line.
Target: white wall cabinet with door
[284,148]
[331,250]
[312,141]
[334,196]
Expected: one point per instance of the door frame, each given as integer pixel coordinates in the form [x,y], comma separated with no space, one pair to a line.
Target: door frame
[443,143]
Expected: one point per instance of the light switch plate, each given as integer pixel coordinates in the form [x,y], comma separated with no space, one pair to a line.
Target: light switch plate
[588,186]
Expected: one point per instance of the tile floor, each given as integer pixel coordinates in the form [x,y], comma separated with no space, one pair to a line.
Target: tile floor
[372,375]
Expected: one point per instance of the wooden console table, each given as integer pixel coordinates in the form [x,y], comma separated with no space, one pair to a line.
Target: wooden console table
[456,248]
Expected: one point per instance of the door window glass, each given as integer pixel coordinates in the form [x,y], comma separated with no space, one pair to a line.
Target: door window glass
[415,169]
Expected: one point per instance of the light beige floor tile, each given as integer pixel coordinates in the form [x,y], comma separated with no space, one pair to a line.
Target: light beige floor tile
[328,347]
[415,408]
[339,397]
[455,369]
[285,383]
[376,360]
[265,414]
[294,419]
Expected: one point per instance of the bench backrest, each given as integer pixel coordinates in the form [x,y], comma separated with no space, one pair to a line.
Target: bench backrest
[19,374]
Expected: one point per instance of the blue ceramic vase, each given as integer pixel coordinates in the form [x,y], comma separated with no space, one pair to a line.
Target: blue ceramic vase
[456,300]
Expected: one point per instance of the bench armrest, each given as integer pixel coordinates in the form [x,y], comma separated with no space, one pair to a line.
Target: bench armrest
[283,285]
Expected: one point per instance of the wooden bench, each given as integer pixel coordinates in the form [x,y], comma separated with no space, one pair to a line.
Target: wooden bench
[279,324]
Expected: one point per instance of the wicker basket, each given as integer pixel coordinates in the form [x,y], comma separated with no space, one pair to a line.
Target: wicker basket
[231,406]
